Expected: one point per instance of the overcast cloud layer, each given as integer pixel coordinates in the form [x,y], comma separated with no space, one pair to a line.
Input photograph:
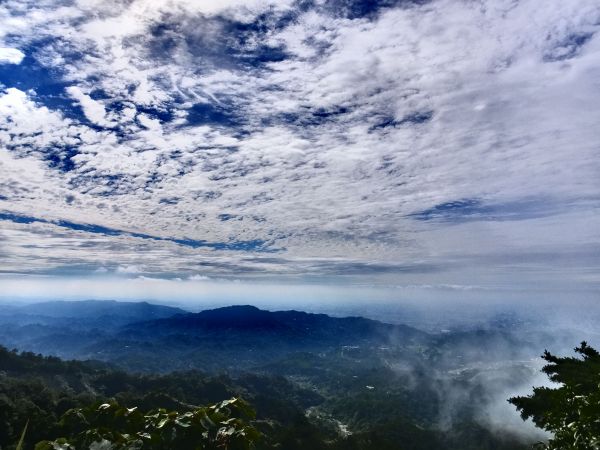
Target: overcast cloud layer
[451,143]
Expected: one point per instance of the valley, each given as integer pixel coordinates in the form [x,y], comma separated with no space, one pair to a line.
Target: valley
[351,380]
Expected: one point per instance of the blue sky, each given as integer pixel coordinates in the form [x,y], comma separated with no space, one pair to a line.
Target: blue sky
[451,145]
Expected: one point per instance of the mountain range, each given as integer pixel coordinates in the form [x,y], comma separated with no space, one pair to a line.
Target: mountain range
[380,382]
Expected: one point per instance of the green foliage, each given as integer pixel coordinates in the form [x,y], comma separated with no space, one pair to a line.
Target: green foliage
[570,412]
[399,414]
[22,439]
[112,426]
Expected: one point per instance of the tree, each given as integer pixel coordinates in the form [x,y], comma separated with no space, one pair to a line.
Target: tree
[571,412]
[112,426]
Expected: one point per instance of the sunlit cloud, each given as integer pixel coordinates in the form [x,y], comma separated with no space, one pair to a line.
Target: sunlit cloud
[11,55]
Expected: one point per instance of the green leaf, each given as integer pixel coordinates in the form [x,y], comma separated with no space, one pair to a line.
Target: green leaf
[20,444]
[162,423]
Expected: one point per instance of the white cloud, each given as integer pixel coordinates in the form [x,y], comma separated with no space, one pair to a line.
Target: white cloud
[130,269]
[324,156]
[11,55]
[198,277]
[93,110]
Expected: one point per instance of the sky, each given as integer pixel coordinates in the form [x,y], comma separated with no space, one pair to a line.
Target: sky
[443,146]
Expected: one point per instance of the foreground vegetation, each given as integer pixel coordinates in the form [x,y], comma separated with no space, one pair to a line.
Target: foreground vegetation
[79,405]
[112,426]
[571,411]
[154,412]
[54,397]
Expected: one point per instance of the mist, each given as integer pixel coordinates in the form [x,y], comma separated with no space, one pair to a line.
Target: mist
[487,342]
[482,351]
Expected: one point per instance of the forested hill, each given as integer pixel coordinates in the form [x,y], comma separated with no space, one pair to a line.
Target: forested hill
[244,325]
[242,338]
[154,338]
[39,390]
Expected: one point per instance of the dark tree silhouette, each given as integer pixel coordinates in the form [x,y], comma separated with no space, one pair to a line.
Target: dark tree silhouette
[571,412]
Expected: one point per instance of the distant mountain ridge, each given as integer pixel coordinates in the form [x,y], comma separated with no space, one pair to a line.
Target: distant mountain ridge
[241,338]
[97,308]
[66,328]
[145,337]
[85,313]
[250,319]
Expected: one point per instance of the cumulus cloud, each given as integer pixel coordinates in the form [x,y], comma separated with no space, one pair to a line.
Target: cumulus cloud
[129,269]
[94,111]
[425,143]
[198,277]
[11,55]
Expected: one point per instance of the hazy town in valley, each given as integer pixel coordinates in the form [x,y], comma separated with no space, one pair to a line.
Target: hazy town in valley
[299,225]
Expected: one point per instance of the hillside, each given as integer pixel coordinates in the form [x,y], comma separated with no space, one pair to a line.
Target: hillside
[102,311]
[233,338]
[66,328]
[40,389]
[241,337]
[353,382]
